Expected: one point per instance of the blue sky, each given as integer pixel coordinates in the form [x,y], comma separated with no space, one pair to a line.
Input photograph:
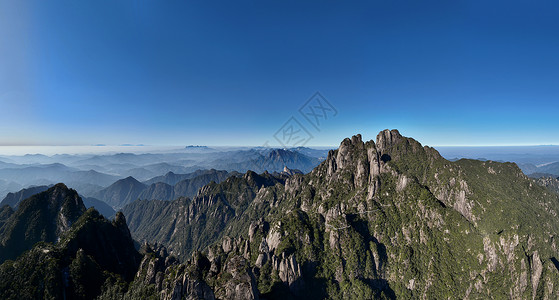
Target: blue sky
[233,72]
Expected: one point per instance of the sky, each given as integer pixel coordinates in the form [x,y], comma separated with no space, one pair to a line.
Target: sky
[247,72]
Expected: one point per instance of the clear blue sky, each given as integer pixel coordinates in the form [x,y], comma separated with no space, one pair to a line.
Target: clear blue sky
[233,72]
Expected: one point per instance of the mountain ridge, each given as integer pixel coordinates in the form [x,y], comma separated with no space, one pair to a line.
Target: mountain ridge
[387,218]
[345,229]
[129,189]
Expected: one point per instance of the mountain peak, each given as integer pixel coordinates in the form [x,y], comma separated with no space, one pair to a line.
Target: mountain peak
[119,218]
[388,138]
[60,186]
[366,160]
[130,178]
[356,139]
[42,217]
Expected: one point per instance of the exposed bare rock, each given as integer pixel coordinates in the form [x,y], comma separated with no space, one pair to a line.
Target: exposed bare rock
[289,272]
[387,138]
[227,244]
[242,284]
[537,268]
[490,254]
[273,239]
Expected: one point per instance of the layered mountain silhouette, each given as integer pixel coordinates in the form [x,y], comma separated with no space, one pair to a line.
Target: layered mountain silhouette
[91,173]
[382,219]
[129,189]
[171,178]
[271,160]
[56,172]
[13,199]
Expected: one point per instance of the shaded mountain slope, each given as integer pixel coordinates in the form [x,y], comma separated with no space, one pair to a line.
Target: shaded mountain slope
[129,189]
[13,199]
[102,207]
[93,255]
[186,225]
[169,178]
[189,187]
[5,212]
[41,217]
[121,192]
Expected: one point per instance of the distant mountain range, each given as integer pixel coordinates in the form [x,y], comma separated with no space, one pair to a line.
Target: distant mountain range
[271,160]
[129,189]
[91,173]
[200,149]
[552,168]
[171,178]
[40,174]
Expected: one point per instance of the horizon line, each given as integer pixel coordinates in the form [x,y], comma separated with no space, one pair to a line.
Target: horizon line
[257,146]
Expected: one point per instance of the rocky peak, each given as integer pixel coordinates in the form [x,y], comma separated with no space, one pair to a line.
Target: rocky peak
[356,139]
[387,138]
[358,164]
[290,172]
[391,144]
[348,150]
